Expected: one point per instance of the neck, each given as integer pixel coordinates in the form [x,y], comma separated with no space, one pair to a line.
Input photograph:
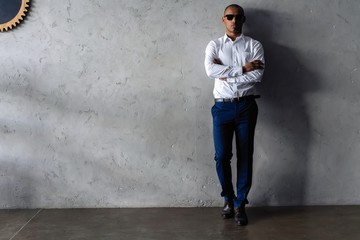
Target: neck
[232,35]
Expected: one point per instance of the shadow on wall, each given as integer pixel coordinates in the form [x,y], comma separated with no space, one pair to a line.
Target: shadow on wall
[285,137]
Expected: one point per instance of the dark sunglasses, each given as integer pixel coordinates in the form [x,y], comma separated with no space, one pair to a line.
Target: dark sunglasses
[231,17]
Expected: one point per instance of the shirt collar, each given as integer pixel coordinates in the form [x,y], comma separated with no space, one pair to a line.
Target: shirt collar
[226,38]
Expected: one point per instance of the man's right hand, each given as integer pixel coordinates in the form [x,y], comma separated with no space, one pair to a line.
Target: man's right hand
[254,65]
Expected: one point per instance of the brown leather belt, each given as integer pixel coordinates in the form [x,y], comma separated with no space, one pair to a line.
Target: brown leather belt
[237,99]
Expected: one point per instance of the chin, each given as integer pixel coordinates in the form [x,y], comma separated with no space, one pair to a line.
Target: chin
[237,30]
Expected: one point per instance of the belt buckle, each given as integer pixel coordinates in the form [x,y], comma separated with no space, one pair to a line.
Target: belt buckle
[234,99]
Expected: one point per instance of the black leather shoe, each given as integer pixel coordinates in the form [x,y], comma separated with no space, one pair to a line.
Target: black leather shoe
[240,216]
[228,211]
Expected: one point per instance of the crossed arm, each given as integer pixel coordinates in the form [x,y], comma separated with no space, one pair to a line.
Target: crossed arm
[248,67]
[250,72]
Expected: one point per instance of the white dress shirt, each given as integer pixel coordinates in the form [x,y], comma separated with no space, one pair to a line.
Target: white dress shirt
[233,55]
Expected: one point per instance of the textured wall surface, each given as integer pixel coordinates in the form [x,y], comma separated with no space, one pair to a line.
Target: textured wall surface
[107,104]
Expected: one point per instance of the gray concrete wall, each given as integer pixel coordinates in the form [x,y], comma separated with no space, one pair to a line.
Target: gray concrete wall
[107,104]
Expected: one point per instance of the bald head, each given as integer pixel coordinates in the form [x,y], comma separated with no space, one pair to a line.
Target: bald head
[234,6]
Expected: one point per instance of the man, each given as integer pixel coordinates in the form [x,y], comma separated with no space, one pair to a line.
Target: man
[236,62]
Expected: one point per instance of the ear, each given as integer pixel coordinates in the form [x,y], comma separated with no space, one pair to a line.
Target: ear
[244,19]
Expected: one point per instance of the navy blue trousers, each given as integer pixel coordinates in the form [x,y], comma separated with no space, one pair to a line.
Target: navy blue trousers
[239,119]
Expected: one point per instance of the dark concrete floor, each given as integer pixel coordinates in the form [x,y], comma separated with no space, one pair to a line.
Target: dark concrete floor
[290,223]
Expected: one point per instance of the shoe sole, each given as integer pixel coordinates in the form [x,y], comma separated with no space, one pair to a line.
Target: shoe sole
[241,223]
[227,216]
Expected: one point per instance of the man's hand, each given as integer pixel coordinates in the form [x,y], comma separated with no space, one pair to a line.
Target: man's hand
[217,61]
[254,65]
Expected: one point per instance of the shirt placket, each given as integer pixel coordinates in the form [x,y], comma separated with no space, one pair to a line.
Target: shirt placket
[234,63]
